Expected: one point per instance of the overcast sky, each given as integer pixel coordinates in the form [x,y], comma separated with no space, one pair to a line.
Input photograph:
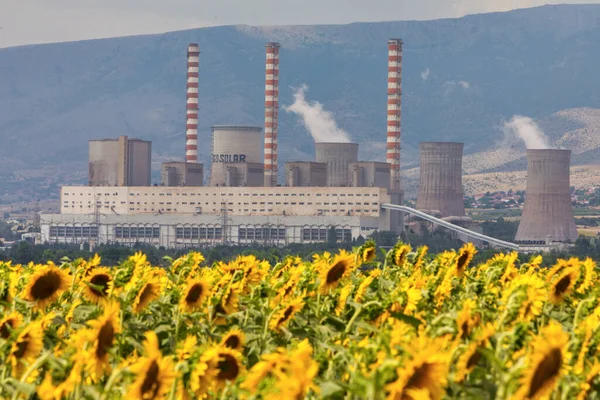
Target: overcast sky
[42,21]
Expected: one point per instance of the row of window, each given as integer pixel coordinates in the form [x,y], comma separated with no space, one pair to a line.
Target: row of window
[261,233]
[239,194]
[125,232]
[74,231]
[320,234]
[209,232]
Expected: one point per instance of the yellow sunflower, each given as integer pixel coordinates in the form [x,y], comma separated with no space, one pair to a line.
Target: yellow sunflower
[545,363]
[154,373]
[332,274]
[230,299]
[229,366]
[46,285]
[103,333]
[368,252]
[563,285]
[469,359]
[344,294]
[97,284]
[421,253]
[204,374]
[400,254]
[466,319]
[589,275]
[234,339]
[9,323]
[149,291]
[426,370]
[194,294]
[285,314]
[465,256]
[26,348]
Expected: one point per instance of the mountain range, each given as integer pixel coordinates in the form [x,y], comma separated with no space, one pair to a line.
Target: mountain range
[462,79]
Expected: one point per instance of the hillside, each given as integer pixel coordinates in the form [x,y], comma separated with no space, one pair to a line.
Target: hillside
[462,78]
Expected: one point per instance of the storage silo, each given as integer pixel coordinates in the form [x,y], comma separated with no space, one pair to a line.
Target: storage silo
[337,156]
[233,144]
[440,187]
[548,212]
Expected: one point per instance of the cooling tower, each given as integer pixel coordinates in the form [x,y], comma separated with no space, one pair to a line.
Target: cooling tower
[548,213]
[337,156]
[440,187]
[232,144]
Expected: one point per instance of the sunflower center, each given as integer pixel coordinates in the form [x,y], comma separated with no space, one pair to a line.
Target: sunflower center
[194,294]
[4,328]
[22,346]
[546,370]
[562,285]
[474,359]
[151,383]
[146,294]
[228,368]
[286,315]
[370,254]
[232,342]
[462,261]
[420,377]
[45,286]
[464,330]
[100,281]
[105,339]
[336,272]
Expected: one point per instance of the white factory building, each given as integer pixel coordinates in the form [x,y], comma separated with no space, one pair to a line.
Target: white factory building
[192,216]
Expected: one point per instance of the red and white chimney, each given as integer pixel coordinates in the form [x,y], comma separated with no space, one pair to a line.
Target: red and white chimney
[271,113]
[191,133]
[394,110]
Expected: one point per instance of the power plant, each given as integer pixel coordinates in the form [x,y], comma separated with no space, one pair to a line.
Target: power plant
[440,184]
[244,203]
[547,214]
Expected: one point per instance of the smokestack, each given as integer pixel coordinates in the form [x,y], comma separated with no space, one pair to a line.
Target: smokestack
[440,186]
[271,113]
[394,113]
[548,213]
[191,133]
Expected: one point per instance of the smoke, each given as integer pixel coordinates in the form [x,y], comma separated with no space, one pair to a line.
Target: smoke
[527,130]
[425,74]
[318,122]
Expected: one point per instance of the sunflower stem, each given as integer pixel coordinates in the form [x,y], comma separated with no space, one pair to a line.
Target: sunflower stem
[113,377]
[578,311]
[40,360]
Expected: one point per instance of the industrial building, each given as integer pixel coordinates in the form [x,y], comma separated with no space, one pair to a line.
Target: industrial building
[119,162]
[547,217]
[89,211]
[243,202]
[178,173]
[440,182]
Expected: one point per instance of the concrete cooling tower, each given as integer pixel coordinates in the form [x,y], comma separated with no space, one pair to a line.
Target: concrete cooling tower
[548,213]
[234,145]
[337,156]
[440,186]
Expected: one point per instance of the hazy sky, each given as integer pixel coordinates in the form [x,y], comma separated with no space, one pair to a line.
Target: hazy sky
[41,21]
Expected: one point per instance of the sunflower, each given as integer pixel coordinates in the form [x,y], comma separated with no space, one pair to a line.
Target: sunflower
[470,358]
[563,285]
[98,284]
[340,268]
[589,275]
[149,291]
[229,366]
[204,374]
[533,303]
[368,252]
[426,370]
[400,253]
[103,333]
[466,319]
[465,256]
[545,363]
[285,314]
[154,374]
[230,299]
[9,323]
[421,253]
[344,294]
[234,339]
[46,285]
[194,294]
[26,348]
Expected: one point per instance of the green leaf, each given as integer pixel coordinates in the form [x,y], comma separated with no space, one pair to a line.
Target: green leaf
[330,388]
[406,318]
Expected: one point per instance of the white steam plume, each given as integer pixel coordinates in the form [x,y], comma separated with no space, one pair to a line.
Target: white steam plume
[527,130]
[318,122]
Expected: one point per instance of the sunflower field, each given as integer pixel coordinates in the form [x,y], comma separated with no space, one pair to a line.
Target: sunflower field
[339,326]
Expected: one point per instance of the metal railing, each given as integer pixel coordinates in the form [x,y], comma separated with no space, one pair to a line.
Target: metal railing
[452,227]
